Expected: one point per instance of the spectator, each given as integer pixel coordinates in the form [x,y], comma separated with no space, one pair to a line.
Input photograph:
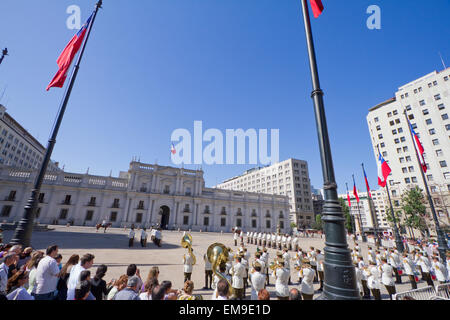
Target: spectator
[85,275]
[24,257]
[158,293]
[16,290]
[86,263]
[170,294]
[47,275]
[132,270]
[31,266]
[9,259]
[1,235]
[58,259]
[187,292]
[17,249]
[153,273]
[98,285]
[130,292]
[223,290]
[64,276]
[149,286]
[294,294]
[263,295]
[82,290]
[5,250]
[119,285]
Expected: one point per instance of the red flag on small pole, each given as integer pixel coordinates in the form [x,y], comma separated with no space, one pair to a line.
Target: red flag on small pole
[317,7]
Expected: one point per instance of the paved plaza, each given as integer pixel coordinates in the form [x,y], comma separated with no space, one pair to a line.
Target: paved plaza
[112,250]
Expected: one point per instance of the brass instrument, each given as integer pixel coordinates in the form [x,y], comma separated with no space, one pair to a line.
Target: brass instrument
[274,265]
[218,254]
[186,242]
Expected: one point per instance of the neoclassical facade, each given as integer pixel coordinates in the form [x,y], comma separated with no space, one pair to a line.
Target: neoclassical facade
[146,195]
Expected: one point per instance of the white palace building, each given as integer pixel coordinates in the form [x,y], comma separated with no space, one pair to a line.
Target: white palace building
[146,195]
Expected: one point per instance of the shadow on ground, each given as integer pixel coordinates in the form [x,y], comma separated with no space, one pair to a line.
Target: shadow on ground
[80,240]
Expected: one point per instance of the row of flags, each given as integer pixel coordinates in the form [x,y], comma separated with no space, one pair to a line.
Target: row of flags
[384,170]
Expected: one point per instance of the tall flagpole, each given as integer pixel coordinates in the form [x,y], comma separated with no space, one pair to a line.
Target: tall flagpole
[372,213]
[24,230]
[442,243]
[361,228]
[398,239]
[340,276]
[350,213]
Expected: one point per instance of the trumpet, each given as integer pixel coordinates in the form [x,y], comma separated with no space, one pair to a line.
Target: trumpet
[274,265]
[186,242]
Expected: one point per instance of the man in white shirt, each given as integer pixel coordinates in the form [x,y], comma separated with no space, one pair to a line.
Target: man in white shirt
[208,273]
[320,259]
[188,263]
[47,275]
[282,278]
[248,237]
[386,277]
[312,261]
[287,263]
[235,237]
[85,263]
[439,270]
[265,258]
[158,237]
[395,262]
[144,236]
[410,269]
[425,264]
[216,280]
[131,238]
[238,273]
[8,260]
[307,274]
[257,280]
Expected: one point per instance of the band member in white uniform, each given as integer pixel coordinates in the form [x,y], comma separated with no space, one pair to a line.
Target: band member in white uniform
[320,259]
[307,287]
[387,277]
[287,263]
[238,273]
[216,280]
[312,261]
[410,270]
[188,263]
[395,262]
[281,284]
[373,281]
[257,280]
[208,273]
[439,270]
[425,265]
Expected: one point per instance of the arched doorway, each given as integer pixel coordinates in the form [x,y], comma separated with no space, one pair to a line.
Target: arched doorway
[165,215]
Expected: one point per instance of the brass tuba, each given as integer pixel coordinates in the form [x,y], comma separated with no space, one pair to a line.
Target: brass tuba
[218,254]
[186,242]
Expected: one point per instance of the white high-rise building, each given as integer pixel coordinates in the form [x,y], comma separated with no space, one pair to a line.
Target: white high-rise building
[288,178]
[427,103]
[380,209]
[18,148]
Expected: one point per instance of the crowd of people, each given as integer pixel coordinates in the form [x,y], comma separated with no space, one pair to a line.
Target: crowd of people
[27,274]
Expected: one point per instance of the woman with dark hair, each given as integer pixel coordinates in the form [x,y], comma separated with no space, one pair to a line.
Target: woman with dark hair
[98,285]
[170,294]
[82,291]
[31,267]
[15,287]
[64,276]
[149,286]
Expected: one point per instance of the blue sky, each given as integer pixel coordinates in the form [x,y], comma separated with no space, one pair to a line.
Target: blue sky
[157,65]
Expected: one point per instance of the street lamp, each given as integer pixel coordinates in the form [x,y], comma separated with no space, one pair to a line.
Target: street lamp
[340,276]
[4,54]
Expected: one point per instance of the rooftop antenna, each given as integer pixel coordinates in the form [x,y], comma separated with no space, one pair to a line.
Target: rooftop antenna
[442,60]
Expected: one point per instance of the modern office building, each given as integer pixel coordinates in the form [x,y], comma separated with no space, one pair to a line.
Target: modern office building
[18,148]
[427,104]
[287,178]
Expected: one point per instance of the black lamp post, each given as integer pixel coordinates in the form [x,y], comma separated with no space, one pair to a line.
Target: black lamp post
[4,54]
[340,277]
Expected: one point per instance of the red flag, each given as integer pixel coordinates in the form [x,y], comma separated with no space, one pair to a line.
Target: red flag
[65,59]
[317,7]
[367,184]
[348,199]
[355,192]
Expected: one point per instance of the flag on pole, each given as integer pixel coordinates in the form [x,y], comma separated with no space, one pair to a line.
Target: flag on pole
[367,184]
[419,148]
[355,192]
[348,199]
[317,7]
[383,171]
[173,150]
[66,58]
